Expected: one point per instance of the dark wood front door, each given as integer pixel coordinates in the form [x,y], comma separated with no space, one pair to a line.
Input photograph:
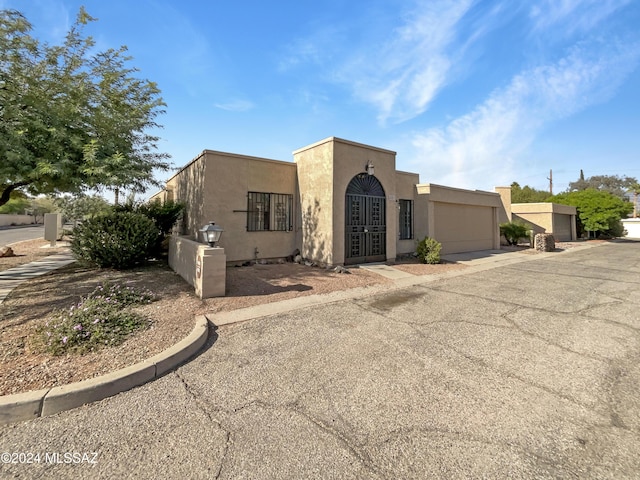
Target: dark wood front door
[365,221]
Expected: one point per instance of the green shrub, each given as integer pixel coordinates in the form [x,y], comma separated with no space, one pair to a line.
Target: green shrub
[103,318]
[118,240]
[429,250]
[164,215]
[514,231]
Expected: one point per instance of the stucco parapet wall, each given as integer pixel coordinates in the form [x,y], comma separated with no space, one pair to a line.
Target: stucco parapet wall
[440,193]
[206,152]
[346,142]
[543,207]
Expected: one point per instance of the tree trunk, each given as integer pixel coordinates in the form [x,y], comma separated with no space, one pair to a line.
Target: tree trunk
[116,196]
[6,193]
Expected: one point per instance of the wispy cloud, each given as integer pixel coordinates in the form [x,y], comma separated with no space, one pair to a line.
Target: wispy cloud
[235,105]
[573,15]
[482,146]
[403,75]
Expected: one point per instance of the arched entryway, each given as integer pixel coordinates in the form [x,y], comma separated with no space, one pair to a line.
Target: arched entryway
[365,220]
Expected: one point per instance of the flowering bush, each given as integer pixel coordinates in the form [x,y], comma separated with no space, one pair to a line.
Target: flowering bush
[100,319]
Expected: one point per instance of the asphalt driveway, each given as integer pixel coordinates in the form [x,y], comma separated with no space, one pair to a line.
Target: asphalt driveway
[529,370]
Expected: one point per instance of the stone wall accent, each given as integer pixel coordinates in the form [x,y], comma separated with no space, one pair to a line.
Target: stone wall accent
[544,242]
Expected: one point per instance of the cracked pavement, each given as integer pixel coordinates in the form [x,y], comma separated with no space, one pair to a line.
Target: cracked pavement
[529,370]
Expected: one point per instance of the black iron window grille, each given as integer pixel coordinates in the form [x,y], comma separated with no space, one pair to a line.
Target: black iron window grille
[406,219]
[269,212]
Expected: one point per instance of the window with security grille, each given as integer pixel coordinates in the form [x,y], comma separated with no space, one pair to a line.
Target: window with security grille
[269,212]
[406,219]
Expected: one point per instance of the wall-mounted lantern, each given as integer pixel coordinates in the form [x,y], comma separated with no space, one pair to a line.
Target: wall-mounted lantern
[211,233]
[370,168]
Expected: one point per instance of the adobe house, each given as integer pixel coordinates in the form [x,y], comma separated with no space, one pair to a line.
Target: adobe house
[544,217]
[338,202]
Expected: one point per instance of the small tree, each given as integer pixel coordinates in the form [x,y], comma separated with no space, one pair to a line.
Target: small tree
[71,118]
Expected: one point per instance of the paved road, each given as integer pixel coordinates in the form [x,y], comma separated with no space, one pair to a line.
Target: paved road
[18,234]
[529,370]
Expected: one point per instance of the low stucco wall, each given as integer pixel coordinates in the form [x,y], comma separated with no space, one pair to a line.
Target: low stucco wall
[7,220]
[203,267]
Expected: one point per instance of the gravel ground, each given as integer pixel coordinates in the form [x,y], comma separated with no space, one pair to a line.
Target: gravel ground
[23,367]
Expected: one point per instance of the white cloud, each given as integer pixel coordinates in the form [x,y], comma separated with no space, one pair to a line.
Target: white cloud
[403,75]
[235,105]
[479,149]
[573,15]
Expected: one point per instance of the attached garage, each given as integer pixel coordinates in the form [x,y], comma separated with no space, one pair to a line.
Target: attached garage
[558,220]
[462,220]
[463,228]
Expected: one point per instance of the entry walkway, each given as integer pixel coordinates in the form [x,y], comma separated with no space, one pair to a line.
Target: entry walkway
[10,279]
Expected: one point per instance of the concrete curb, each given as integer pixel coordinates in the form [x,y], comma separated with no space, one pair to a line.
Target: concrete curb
[41,403]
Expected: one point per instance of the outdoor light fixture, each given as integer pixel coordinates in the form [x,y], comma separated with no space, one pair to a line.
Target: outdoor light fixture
[211,233]
[369,168]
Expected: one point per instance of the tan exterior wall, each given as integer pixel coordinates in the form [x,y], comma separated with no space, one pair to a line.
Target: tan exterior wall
[350,159]
[315,187]
[461,220]
[464,228]
[504,213]
[215,188]
[203,267]
[324,172]
[558,220]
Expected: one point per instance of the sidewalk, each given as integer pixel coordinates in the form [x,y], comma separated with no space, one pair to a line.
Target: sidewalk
[10,279]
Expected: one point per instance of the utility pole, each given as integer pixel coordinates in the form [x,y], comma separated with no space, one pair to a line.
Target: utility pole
[550,178]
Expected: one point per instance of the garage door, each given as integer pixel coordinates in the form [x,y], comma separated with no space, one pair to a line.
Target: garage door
[464,228]
[562,227]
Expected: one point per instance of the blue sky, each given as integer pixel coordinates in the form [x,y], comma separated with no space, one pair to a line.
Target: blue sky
[470,94]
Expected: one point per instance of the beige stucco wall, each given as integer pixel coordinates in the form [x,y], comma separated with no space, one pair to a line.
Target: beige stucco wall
[556,219]
[504,213]
[350,159]
[461,220]
[325,169]
[315,187]
[215,187]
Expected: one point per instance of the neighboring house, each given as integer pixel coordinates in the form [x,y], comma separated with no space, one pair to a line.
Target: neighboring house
[339,202]
[554,218]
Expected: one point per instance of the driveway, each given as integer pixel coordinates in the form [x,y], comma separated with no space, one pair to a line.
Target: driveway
[529,370]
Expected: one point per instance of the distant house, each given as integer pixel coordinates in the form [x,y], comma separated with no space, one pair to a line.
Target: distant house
[556,219]
[338,202]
